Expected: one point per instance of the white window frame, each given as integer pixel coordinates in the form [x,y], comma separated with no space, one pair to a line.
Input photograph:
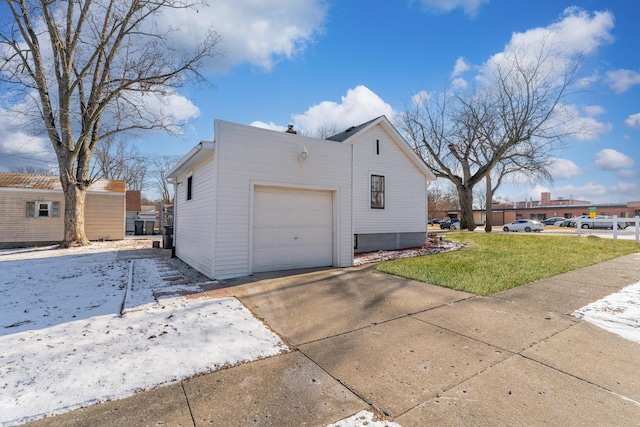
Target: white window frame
[52,210]
[383,191]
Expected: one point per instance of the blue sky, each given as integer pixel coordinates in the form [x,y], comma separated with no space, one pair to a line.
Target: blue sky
[337,63]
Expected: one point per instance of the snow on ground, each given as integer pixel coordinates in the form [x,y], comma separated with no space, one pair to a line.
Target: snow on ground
[618,313]
[64,344]
[363,419]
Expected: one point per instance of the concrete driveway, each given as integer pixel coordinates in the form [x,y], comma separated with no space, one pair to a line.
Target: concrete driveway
[413,353]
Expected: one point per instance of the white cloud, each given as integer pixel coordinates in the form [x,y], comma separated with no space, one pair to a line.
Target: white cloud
[596,192]
[629,190]
[20,143]
[421,98]
[470,7]
[594,110]
[569,121]
[621,80]
[626,173]
[358,106]
[460,67]
[610,159]
[459,83]
[534,192]
[579,33]
[270,126]
[591,191]
[633,121]
[258,32]
[564,169]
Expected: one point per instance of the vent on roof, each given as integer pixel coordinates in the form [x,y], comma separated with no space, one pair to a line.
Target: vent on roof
[290,130]
[350,129]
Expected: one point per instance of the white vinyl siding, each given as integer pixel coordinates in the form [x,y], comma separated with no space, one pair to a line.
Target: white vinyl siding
[194,218]
[250,157]
[221,231]
[405,192]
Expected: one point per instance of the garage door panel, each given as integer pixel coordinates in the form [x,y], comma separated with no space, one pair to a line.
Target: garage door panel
[292,229]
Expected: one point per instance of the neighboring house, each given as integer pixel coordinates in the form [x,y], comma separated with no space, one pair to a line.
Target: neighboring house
[260,200]
[32,209]
[134,206]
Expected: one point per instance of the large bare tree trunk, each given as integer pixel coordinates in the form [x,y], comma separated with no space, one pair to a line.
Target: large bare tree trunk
[465,195]
[74,202]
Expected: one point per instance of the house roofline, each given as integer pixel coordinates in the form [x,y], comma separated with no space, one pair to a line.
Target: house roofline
[401,142]
[192,157]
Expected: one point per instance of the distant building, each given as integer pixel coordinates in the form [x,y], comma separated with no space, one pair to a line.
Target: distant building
[544,208]
[32,209]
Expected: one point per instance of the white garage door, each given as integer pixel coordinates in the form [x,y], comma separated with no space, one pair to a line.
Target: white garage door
[292,229]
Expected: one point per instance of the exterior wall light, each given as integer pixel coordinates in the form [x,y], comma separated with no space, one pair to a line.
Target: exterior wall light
[303,156]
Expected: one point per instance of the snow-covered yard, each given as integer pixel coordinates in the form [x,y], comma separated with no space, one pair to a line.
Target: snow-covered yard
[65,345]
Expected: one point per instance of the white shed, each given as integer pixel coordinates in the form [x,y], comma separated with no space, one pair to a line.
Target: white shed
[261,200]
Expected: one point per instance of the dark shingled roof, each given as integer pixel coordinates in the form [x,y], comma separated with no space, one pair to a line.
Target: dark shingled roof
[342,136]
[51,182]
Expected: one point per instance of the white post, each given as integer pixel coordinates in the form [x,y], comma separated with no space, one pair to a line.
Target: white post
[615,227]
[637,229]
[579,225]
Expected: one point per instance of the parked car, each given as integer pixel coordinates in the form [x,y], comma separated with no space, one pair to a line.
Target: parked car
[448,224]
[436,221]
[603,222]
[554,220]
[527,225]
[571,222]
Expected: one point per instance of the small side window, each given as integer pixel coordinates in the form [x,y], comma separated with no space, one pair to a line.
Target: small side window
[31,209]
[43,209]
[377,192]
[189,187]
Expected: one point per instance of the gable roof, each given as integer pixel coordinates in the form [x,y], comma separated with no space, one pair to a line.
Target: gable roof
[402,143]
[51,182]
[343,136]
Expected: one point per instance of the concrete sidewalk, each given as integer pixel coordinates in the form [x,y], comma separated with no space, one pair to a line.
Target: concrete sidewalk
[413,353]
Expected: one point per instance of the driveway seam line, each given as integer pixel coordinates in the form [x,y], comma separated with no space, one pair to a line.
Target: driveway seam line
[382,322]
[186,398]
[362,398]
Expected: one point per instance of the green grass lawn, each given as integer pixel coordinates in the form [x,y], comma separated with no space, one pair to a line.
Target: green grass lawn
[495,262]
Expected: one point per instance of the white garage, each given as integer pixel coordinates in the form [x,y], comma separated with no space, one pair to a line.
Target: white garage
[292,228]
[257,200]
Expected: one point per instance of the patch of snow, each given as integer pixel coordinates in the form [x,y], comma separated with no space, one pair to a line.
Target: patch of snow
[64,345]
[363,419]
[618,313]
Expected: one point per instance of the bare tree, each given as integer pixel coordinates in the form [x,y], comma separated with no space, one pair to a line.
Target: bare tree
[119,160]
[464,136]
[160,166]
[528,161]
[86,65]
[327,130]
[32,170]
[441,201]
